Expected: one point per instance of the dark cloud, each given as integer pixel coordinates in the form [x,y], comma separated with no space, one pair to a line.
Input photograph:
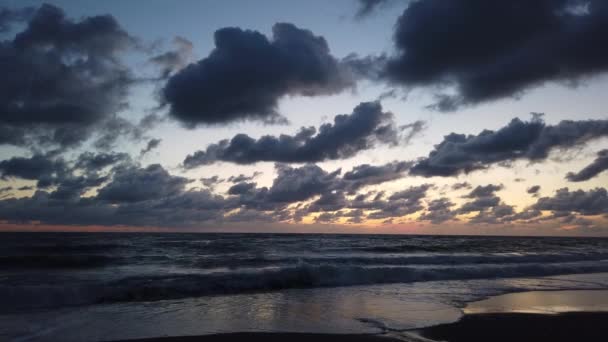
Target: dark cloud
[225,86]
[484,191]
[211,182]
[531,140]
[367,7]
[329,201]
[61,78]
[439,211]
[365,174]
[152,144]
[299,184]
[533,189]
[461,185]
[479,204]
[241,188]
[242,178]
[134,184]
[496,215]
[10,16]
[349,134]
[43,168]
[599,165]
[499,49]
[592,202]
[74,187]
[90,162]
[400,203]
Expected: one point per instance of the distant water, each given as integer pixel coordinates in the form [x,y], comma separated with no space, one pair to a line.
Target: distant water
[56,284]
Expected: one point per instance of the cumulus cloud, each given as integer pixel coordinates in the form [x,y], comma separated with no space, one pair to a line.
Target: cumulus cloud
[61,78]
[365,174]
[484,191]
[439,211]
[134,184]
[529,140]
[45,169]
[599,165]
[367,126]
[225,87]
[495,49]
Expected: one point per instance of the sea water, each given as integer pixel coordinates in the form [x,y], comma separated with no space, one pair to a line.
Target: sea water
[102,287]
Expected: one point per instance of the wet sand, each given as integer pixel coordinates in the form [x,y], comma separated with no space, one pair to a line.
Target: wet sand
[536,316]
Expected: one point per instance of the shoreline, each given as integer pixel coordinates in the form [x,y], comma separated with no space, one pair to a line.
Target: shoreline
[555,316]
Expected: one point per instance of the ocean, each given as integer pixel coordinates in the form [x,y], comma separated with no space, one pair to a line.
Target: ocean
[109,286]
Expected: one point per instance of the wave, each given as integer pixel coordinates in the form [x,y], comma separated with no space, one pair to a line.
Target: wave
[299,276]
[396,260]
[18,262]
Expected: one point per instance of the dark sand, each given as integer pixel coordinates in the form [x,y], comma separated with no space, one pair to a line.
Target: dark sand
[272,337]
[507,327]
[521,327]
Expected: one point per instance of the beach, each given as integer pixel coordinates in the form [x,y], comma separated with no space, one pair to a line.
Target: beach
[548,316]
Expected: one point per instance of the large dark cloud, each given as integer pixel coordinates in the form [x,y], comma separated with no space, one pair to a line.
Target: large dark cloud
[495,49]
[599,165]
[133,184]
[61,78]
[349,134]
[531,140]
[592,202]
[247,73]
[365,174]
[45,169]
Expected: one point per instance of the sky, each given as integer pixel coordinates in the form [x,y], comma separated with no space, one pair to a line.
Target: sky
[350,116]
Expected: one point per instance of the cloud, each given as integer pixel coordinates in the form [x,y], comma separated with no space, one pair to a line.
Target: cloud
[400,203]
[496,50]
[90,162]
[349,134]
[242,178]
[134,184]
[299,184]
[61,78]
[241,188]
[484,191]
[529,140]
[461,185]
[367,7]
[175,60]
[9,16]
[43,168]
[365,174]
[225,87]
[599,165]
[152,144]
[592,202]
[534,189]
[439,211]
